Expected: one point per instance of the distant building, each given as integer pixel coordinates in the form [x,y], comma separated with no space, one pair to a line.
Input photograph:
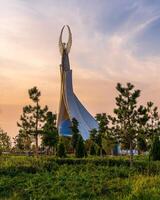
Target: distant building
[69,106]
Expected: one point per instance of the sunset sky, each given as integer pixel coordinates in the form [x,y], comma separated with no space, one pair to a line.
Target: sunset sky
[113,41]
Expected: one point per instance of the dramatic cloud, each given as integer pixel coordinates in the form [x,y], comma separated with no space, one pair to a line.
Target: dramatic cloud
[113,41]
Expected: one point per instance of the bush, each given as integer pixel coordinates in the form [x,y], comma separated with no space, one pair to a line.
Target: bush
[73,178]
[45,177]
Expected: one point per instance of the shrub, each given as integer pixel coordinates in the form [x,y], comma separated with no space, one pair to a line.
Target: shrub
[45,177]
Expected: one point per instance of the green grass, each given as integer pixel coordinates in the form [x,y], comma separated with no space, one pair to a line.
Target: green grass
[49,178]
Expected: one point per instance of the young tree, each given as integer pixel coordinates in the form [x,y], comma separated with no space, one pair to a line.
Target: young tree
[61,152]
[5,141]
[50,133]
[75,133]
[67,143]
[33,116]
[142,119]
[22,141]
[141,144]
[155,150]
[97,136]
[93,149]
[153,123]
[126,116]
[80,148]
[153,130]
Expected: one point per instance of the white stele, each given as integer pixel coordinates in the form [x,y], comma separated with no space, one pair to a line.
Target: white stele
[70,107]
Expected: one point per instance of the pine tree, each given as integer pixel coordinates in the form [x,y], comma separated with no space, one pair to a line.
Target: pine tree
[155,150]
[153,123]
[103,122]
[5,141]
[141,144]
[80,148]
[33,117]
[22,141]
[93,149]
[75,133]
[97,136]
[125,121]
[50,133]
[61,152]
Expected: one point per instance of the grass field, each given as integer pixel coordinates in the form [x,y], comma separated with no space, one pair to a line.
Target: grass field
[45,178]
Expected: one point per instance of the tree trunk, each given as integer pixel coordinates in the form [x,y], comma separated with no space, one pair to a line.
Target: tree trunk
[131,155]
[54,150]
[36,135]
[47,151]
[101,153]
[149,164]
[36,149]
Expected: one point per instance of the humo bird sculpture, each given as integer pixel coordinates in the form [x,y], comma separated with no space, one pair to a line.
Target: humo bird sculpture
[69,106]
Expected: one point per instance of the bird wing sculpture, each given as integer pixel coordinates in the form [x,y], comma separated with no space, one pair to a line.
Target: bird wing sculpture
[65,46]
[70,107]
[69,44]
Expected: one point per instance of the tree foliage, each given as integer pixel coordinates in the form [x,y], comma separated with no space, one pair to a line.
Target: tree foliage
[61,151]
[5,141]
[50,133]
[155,150]
[97,136]
[22,141]
[75,133]
[153,123]
[133,126]
[92,149]
[125,120]
[142,144]
[80,147]
[33,117]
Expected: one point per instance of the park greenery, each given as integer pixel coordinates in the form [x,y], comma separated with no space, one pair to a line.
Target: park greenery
[131,126]
[47,177]
[46,165]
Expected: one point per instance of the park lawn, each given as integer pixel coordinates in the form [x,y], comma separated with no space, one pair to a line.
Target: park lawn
[49,178]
